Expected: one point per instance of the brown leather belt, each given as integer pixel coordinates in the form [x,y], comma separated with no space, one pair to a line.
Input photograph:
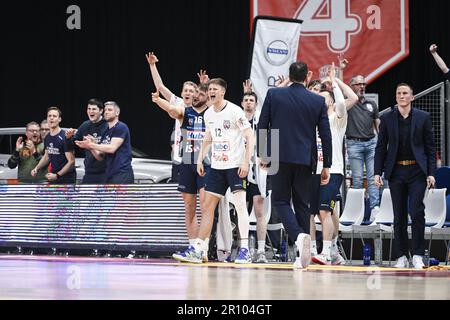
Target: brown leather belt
[406,162]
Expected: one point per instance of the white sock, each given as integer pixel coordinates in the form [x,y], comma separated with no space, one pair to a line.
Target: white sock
[326,250]
[261,246]
[206,245]
[191,242]
[334,247]
[244,243]
[199,244]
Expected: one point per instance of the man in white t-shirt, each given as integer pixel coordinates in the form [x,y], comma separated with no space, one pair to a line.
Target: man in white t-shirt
[323,197]
[232,140]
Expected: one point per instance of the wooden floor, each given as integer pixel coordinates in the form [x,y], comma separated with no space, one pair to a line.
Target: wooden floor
[40,277]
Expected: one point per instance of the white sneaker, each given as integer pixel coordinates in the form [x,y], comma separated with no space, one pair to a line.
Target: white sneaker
[303,244]
[223,255]
[337,260]
[417,262]
[374,213]
[402,262]
[322,259]
[314,251]
[261,257]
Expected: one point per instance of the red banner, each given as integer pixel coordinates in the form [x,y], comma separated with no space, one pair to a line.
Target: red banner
[373,35]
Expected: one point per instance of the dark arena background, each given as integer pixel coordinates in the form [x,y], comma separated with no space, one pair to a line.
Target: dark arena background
[43,64]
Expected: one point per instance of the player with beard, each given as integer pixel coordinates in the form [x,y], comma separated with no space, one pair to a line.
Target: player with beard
[187,95]
[115,147]
[27,155]
[192,134]
[58,152]
[96,126]
[227,130]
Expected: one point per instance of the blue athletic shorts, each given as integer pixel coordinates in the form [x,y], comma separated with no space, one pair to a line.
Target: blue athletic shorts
[219,181]
[189,180]
[325,197]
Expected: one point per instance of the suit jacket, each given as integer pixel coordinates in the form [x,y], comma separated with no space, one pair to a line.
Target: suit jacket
[296,112]
[422,142]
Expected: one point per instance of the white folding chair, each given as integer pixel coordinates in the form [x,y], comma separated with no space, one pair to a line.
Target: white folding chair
[435,214]
[435,208]
[383,223]
[353,213]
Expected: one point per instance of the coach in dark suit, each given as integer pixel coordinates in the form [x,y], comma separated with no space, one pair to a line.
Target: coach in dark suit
[406,154]
[296,113]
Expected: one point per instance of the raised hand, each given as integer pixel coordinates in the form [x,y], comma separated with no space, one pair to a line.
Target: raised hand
[203,76]
[332,72]
[247,86]
[342,61]
[30,145]
[433,48]
[19,143]
[151,58]
[70,132]
[155,96]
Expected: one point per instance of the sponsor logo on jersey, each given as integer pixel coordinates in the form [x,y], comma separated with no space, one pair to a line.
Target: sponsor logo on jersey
[220,157]
[195,135]
[52,150]
[221,146]
[369,107]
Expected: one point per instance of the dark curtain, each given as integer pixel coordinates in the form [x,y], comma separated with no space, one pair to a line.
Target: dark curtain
[44,64]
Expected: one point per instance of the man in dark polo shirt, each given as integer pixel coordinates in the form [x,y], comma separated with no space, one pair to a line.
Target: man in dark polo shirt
[361,134]
[406,154]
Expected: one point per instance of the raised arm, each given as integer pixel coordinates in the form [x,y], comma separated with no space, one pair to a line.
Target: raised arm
[441,64]
[152,60]
[175,112]
[352,98]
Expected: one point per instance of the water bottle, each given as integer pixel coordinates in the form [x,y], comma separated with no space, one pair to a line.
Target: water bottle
[378,251]
[283,250]
[366,254]
[251,245]
[434,262]
[426,258]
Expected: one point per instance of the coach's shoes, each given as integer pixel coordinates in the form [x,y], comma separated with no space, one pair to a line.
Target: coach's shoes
[402,262]
[190,255]
[303,244]
[417,262]
[322,259]
[243,256]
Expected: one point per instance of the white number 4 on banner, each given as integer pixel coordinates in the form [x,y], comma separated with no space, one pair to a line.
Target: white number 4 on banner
[330,18]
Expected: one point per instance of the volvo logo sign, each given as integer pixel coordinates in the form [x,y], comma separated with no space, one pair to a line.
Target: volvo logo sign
[277,52]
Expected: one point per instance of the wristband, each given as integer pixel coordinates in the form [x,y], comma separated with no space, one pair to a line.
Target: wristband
[57,175]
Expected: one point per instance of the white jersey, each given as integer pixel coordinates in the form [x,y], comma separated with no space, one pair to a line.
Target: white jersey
[337,127]
[177,101]
[228,144]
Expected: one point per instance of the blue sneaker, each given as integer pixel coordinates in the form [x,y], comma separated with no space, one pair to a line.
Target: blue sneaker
[243,256]
[190,255]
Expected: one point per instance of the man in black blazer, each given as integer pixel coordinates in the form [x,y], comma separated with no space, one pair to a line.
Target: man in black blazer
[406,154]
[295,113]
